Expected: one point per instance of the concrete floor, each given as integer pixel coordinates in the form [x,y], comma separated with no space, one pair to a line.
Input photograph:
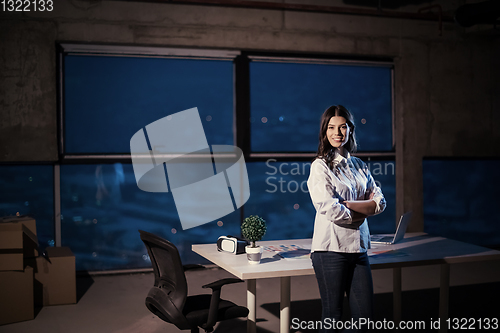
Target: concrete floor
[115,303]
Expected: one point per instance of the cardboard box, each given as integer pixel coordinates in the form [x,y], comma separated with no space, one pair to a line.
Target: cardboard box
[29,222]
[55,277]
[16,301]
[16,243]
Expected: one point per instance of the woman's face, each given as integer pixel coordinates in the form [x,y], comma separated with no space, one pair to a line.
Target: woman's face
[337,131]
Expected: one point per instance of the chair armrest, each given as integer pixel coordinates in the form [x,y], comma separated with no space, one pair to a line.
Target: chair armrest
[218,284]
[192,266]
[214,301]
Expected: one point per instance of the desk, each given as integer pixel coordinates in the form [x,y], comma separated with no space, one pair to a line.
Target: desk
[415,249]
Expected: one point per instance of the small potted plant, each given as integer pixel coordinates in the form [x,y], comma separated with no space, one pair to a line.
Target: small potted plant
[253,229]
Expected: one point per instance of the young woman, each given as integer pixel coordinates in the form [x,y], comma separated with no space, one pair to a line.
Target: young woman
[344,193]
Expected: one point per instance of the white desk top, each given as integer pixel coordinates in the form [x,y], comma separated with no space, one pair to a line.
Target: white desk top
[416,249]
[271,264]
[422,249]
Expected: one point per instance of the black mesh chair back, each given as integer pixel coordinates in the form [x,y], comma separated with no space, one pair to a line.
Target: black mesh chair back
[169,300]
[168,296]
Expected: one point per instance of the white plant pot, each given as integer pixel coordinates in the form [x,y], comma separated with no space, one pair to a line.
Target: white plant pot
[254,254]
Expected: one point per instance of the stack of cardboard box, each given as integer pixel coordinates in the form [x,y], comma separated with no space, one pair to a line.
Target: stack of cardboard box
[28,279]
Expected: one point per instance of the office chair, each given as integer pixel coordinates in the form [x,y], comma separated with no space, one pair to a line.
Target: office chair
[168,298]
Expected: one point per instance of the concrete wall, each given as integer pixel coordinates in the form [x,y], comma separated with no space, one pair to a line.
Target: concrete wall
[446,87]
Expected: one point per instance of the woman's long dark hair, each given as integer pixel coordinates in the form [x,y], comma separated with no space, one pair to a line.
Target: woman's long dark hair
[325,149]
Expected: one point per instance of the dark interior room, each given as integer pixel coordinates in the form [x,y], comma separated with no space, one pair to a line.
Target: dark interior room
[146,145]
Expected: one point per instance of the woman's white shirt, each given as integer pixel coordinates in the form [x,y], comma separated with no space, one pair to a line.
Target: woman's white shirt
[350,179]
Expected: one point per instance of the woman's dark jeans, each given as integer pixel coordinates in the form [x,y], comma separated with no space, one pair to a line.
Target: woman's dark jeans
[338,273]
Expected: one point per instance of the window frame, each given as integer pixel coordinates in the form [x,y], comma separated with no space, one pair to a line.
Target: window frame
[244,140]
[120,51]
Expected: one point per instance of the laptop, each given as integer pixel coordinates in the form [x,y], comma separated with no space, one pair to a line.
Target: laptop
[399,235]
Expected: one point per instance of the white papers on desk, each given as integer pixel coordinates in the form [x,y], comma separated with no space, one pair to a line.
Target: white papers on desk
[289,251]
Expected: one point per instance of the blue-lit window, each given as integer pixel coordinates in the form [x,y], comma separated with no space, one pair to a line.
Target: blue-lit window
[459,200]
[102,210]
[286,103]
[279,194]
[108,99]
[29,190]
[287,100]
